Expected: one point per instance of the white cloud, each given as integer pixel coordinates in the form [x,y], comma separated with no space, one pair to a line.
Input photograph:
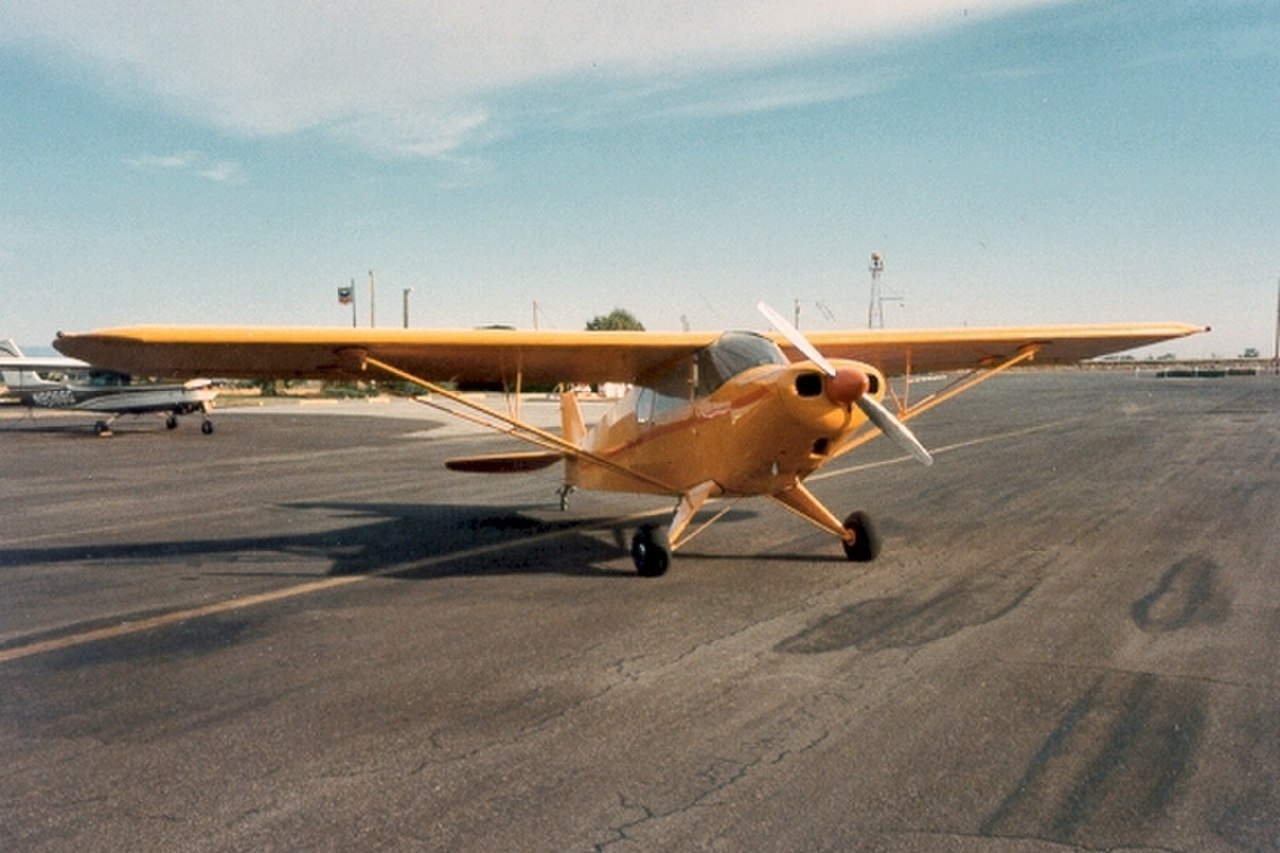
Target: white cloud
[741,97]
[224,172]
[414,79]
[176,161]
[219,171]
[413,132]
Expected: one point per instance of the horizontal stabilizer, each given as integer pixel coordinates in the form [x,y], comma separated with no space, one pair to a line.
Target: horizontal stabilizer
[505,463]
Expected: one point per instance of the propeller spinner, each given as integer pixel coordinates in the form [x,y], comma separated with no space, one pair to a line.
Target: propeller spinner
[849,386]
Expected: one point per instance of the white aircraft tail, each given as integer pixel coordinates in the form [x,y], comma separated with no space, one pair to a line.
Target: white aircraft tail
[16,379]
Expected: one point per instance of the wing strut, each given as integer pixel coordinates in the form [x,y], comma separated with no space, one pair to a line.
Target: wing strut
[969,380]
[963,383]
[477,413]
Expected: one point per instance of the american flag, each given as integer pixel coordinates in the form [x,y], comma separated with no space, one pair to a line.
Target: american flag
[345,295]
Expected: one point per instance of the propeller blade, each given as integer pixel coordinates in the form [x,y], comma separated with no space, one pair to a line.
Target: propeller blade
[876,413]
[799,341]
[893,428]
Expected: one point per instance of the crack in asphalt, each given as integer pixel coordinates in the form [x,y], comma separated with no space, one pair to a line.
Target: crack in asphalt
[720,775]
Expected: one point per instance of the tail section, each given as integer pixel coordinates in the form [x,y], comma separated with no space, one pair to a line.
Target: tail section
[507,463]
[12,375]
[504,463]
[22,373]
[572,426]
[9,348]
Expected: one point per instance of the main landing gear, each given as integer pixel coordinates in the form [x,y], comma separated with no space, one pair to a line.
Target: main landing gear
[865,546]
[651,547]
[651,551]
[206,426]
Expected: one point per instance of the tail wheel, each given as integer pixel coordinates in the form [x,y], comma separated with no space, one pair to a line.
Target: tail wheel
[651,551]
[865,546]
[207,427]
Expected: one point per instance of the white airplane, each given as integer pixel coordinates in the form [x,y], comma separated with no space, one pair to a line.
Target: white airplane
[103,391]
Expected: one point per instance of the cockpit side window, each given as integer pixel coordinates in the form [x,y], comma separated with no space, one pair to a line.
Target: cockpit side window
[665,390]
[730,355]
[108,379]
[678,383]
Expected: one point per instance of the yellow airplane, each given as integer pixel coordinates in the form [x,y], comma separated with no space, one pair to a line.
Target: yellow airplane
[708,415]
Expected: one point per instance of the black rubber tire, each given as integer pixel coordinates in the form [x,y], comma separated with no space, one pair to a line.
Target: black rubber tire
[651,551]
[866,541]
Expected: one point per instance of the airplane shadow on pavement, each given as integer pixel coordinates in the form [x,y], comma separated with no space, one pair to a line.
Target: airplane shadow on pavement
[408,541]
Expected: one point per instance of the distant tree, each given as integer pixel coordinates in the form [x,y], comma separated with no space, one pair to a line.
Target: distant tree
[618,318]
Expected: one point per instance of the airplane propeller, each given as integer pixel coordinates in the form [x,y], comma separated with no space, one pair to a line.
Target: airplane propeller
[849,386]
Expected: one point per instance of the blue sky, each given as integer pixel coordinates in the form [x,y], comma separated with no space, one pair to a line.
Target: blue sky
[1015,162]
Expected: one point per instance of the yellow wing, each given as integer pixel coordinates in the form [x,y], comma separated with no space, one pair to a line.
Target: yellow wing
[473,355]
[896,351]
[492,355]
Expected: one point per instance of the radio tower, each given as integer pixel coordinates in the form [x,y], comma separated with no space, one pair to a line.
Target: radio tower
[874,309]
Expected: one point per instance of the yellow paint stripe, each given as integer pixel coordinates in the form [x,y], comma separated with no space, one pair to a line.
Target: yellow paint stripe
[125,629]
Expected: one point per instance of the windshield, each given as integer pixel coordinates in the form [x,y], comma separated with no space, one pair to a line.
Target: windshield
[730,355]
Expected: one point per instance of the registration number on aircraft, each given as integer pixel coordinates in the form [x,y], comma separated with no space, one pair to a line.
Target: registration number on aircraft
[54,399]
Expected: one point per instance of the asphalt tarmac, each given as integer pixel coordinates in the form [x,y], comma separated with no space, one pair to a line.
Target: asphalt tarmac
[302,632]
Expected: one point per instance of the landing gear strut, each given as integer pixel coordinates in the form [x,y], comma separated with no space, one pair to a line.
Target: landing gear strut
[865,546]
[651,551]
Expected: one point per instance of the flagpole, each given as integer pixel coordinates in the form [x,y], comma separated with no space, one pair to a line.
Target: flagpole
[353,303]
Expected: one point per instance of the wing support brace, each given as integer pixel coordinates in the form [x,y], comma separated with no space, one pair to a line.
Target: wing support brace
[963,383]
[477,413]
[971,379]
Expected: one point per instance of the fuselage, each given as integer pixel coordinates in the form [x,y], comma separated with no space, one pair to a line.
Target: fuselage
[112,393]
[737,414]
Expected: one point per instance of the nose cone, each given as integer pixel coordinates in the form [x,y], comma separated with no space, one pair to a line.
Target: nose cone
[847,386]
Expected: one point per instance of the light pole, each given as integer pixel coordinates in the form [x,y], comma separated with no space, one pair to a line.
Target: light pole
[1275,352]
